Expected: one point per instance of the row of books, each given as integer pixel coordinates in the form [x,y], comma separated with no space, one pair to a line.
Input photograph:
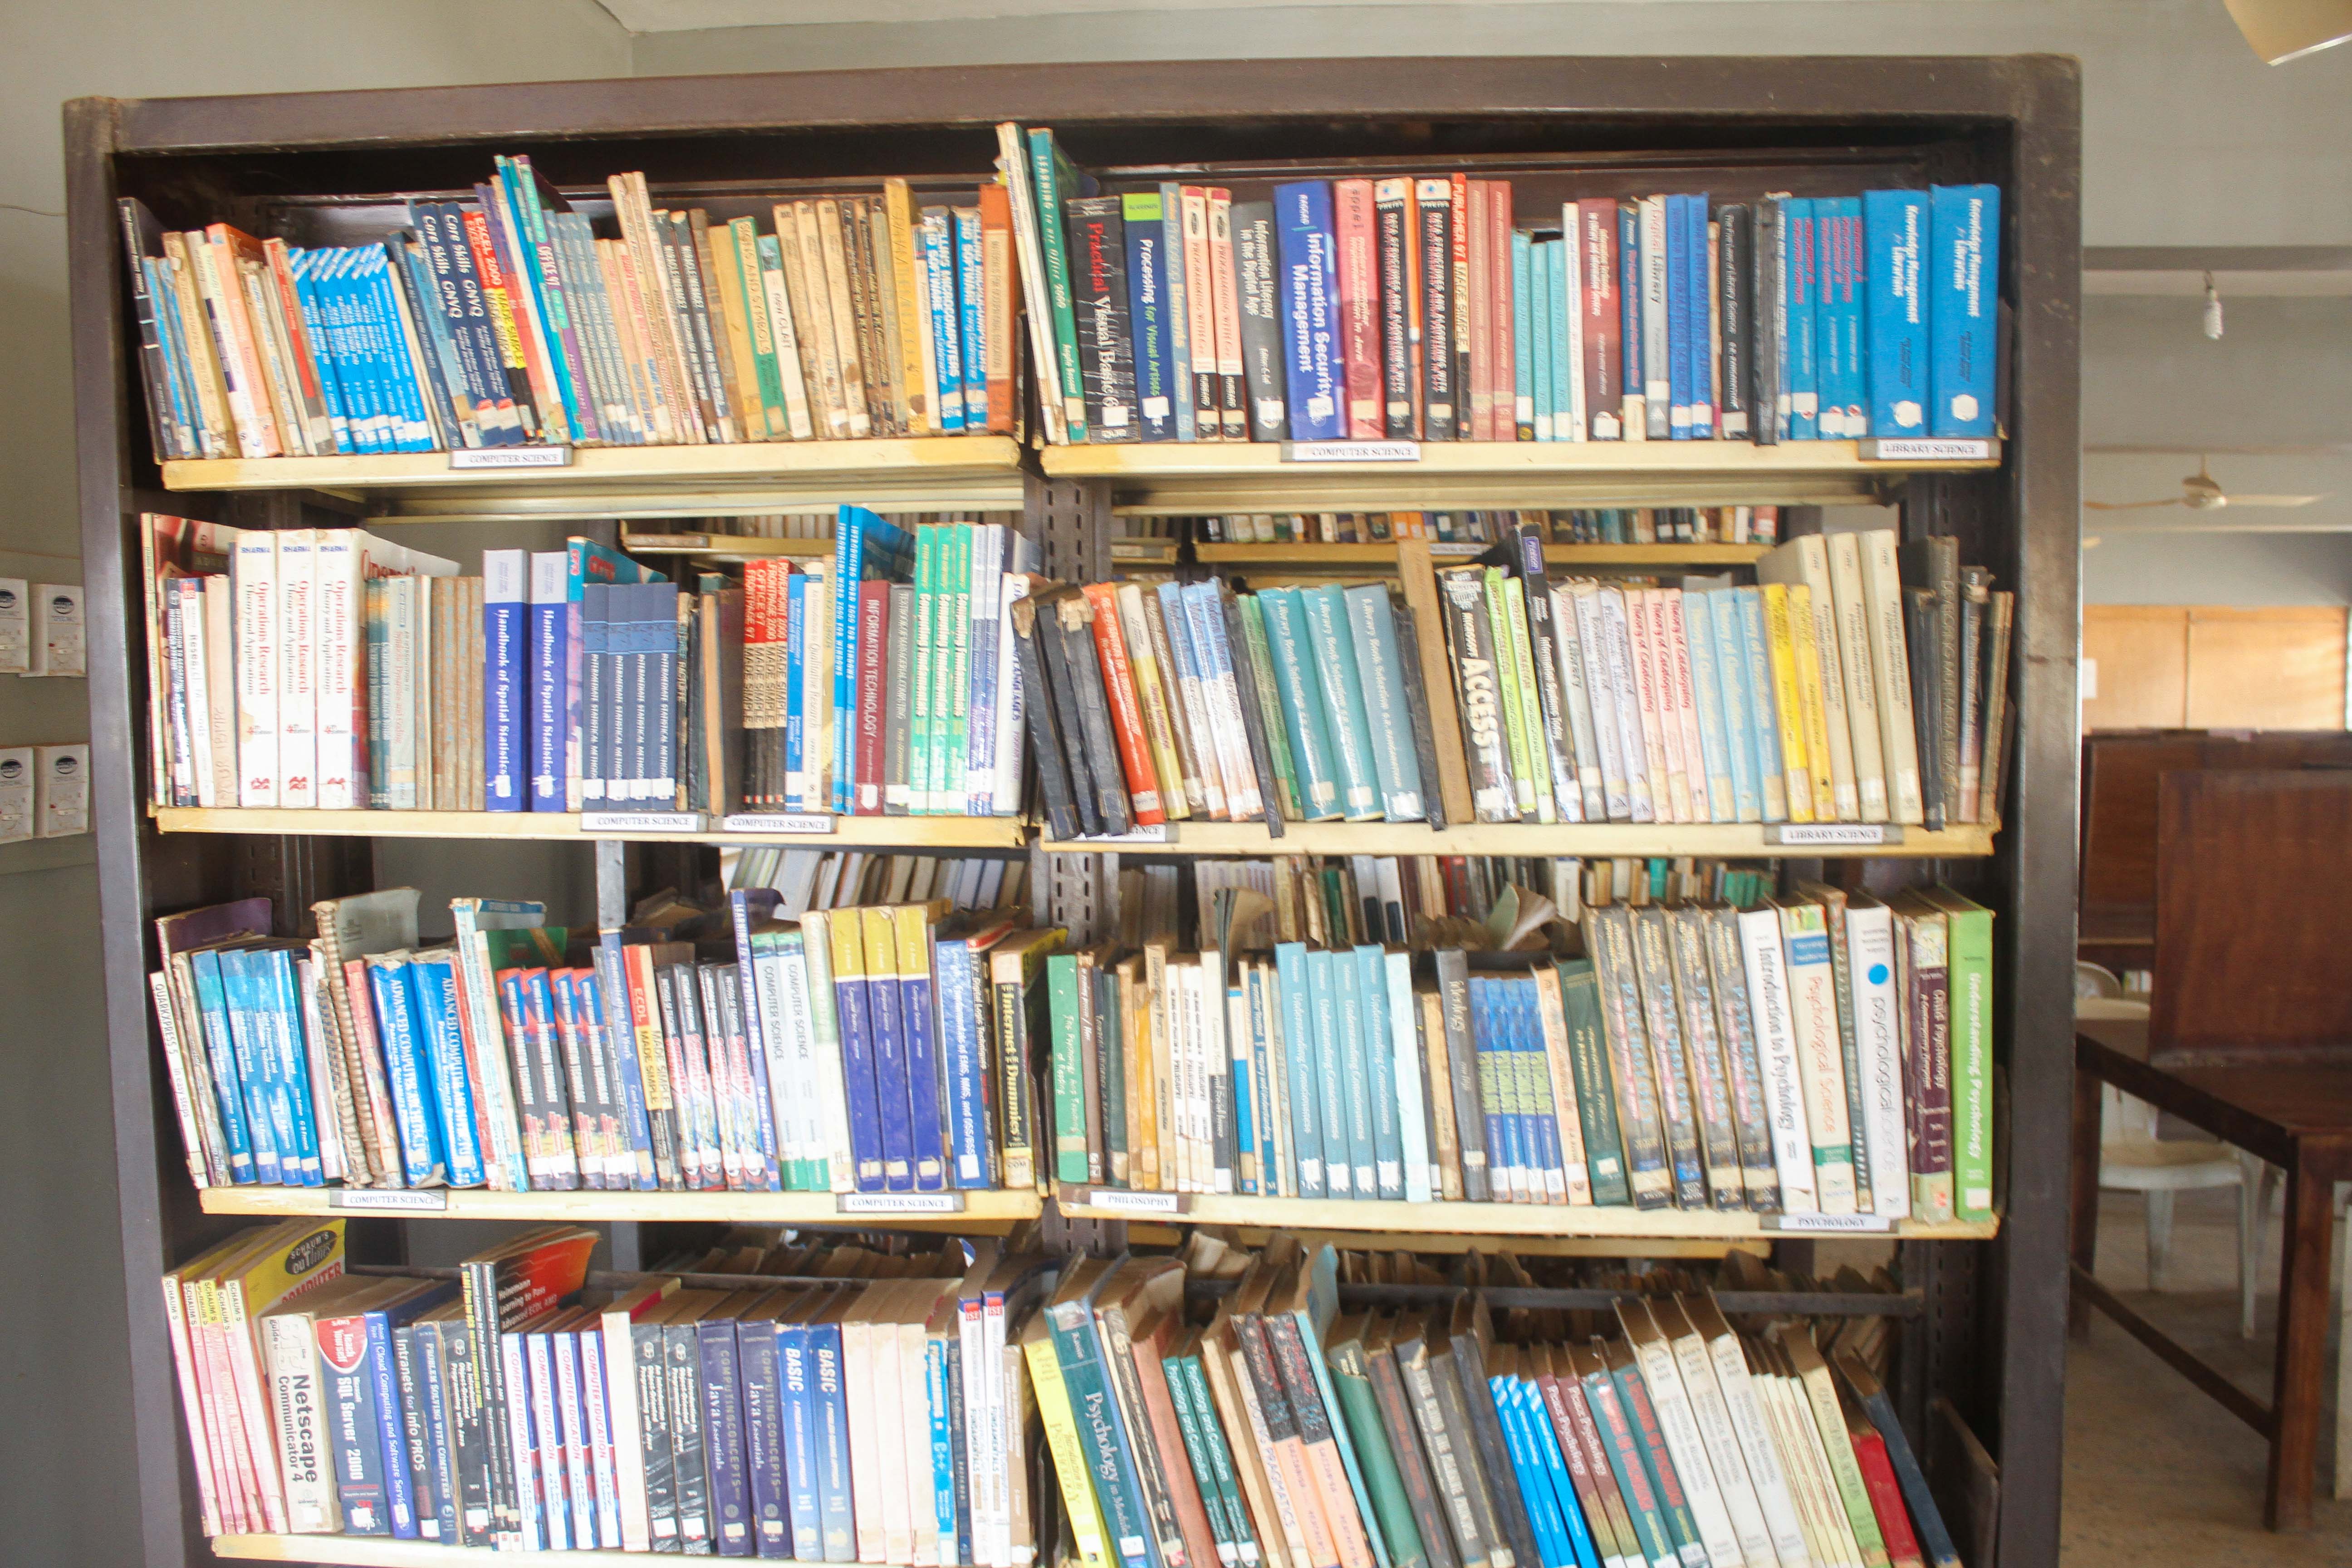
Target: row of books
[852,1049]
[1822,1052]
[329,669]
[1599,525]
[508,320]
[808,880]
[1422,309]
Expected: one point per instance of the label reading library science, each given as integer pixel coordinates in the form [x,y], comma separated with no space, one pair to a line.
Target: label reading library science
[1351,451]
[897,1203]
[1831,835]
[388,1199]
[510,457]
[644,822]
[1926,450]
[801,822]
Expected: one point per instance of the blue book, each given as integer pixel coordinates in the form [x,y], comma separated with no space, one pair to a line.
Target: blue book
[1544,320]
[1371,630]
[531,1406]
[937,237]
[1699,279]
[1309,282]
[1706,696]
[1963,296]
[275,1160]
[1841,356]
[594,694]
[1894,242]
[796,1379]
[1635,369]
[1301,694]
[747,907]
[302,264]
[364,344]
[332,289]
[865,547]
[406,1076]
[608,1010]
[940,1393]
[1328,1061]
[281,998]
[586,564]
[893,1080]
[1533,1486]
[1525,290]
[972,289]
[1762,704]
[432,985]
[1147,290]
[1078,1345]
[1351,1031]
[1176,294]
[763,1438]
[927,1126]
[1679,369]
[355,1433]
[1501,1130]
[1801,285]
[1379,1070]
[444,378]
[551,699]
[831,1412]
[505,736]
[964,1042]
[1244,1070]
[410,376]
[1306,1175]
[860,1082]
[1545,1108]
[722,1437]
[1265,1064]
[1332,667]
[1728,652]
[228,1083]
[796,715]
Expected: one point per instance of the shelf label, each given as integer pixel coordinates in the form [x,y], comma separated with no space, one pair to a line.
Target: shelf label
[778,822]
[1158,833]
[1456,546]
[644,822]
[1928,449]
[897,1203]
[389,1200]
[1831,835]
[511,458]
[1119,1200]
[1829,1224]
[1351,451]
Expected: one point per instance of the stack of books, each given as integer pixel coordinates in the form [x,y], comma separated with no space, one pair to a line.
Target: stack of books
[1857,681]
[1815,1051]
[509,321]
[1427,308]
[1605,525]
[329,669]
[875,1048]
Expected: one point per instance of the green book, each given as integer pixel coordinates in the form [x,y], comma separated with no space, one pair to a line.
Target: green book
[1196,1454]
[1371,626]
[1334,665]
[922,741]
[1064,1020]
[743,244]
[1522,721]
[1221,1459]
[1302,703]
[1269,701]
[1055,179]
[1111,1052]
[1587,1066]
[1330,1074]
[1383,1483]
[1968,958]
[949,774]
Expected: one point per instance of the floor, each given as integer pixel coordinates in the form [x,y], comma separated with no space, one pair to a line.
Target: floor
[2156,1473]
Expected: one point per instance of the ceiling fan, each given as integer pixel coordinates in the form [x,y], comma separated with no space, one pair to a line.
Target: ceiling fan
[2202,491]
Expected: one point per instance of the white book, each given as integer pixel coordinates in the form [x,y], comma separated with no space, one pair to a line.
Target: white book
[1661,721]
[1719,1437]
[1806,560]
[339,630]
[1617,665]
[190,630]
[254,572]
[1678,1425]
[1571,397]
[400,691]
[1012,706]
[220,687]
[1207,1004]
[1656,386]
[1878,1049]
[1757,1450]
[1582,598]
[323,1080]
[784,1090]
[290,1349]
[817,957]
[977,767]
[1821,1055]
[1813,1463]
[1851,611]
[1890,668]
[1568,647]
[505,1161]
[1776,1057]
[1674,672]
[817,717]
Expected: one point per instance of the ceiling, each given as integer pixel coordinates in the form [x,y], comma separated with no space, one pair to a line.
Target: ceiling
[688,15]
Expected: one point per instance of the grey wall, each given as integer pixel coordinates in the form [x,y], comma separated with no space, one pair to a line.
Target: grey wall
[67,1492]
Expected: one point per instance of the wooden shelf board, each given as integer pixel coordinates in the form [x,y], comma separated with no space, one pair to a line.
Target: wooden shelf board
[383,1551]
[1383,553]
[1499,1219]
[1741,841]
[939,472]
[1233,476]
[1156,1234]
[913,833]
[981,1208]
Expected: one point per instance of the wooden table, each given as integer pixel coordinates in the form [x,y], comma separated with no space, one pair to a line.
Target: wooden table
[2297,1117]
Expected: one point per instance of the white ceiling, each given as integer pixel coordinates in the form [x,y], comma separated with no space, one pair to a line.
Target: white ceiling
[688,15]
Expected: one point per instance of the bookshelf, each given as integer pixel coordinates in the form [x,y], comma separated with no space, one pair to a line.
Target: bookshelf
[1249,558]
[1491,1219]
[914,833]
[1987,1332]
[1712,840]
[992,1209]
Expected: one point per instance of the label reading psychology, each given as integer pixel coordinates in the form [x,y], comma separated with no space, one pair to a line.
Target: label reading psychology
[1826,1224]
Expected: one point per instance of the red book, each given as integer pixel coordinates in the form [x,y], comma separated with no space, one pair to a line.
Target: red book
[1604,327]
[1502,319]
[1201,312]
[1001,316]
[761,635]
[1126,710]
[1478,319]
[873,678]
[1233,392]
[1458,328]
[1360,305]
[1885,1496]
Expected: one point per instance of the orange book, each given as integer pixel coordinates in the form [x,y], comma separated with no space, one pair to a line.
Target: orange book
[1001,290]
[1126,709]
[1502,365]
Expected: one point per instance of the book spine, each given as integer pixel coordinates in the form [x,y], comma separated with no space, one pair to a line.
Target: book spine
[1433,242]
[1259,291]
[1147,279]
[1313,366]
[1360,307]
[1199,308]
[1962,295]
[1107,355]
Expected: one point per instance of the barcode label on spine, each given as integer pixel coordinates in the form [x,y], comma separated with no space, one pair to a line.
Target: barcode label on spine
[778,822]
[1831,835]
[897,1203]
[1118,1200]
[644,822]
[388,1200]
[1828,1223]
[511,458]
[1351,451]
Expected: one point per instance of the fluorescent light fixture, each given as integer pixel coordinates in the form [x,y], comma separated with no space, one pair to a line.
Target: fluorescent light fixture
[2283,31]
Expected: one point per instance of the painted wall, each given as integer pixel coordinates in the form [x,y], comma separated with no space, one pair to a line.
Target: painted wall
[65,1498]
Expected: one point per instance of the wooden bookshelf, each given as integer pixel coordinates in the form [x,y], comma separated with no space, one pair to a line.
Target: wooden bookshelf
[938,473]
[383,1551]
[1487,1219]
[1211,478]
[1718,841]
[980,1208]
[1381,554]
[908,833]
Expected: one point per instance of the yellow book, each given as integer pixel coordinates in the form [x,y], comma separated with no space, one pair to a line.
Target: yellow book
[1161,1066]
[769,422]
[1830,803]
[1795,754]
[287,1259]
[833,262]
[1151,695]
[1142,1107]
[732,343]
[1070,1465]
[918,369]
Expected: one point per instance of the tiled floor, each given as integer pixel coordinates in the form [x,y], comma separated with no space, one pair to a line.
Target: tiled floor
[2156,1473]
